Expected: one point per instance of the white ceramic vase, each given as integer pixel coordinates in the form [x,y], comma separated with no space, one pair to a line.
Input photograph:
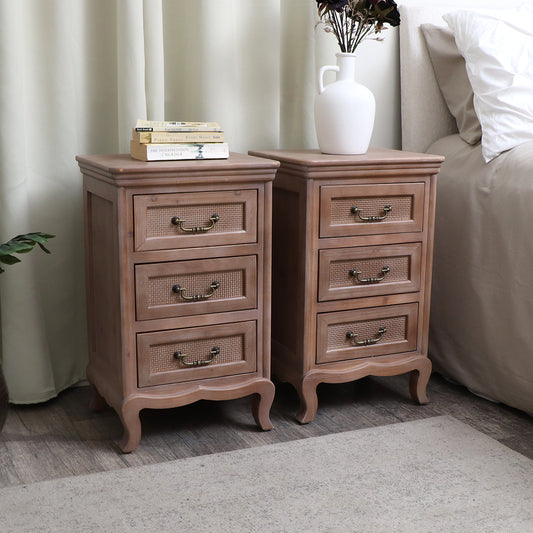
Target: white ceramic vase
[344,110]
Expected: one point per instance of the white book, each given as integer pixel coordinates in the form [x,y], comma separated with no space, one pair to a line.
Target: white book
[181,151]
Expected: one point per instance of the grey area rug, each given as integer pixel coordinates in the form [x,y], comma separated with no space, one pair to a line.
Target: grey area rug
[428,475]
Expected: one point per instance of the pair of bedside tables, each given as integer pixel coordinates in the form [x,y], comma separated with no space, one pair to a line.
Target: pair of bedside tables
[198,271]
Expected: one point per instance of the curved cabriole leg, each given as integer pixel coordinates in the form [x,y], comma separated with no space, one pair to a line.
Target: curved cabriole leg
[308,401]
[418,381]
[132,428]
[261,404]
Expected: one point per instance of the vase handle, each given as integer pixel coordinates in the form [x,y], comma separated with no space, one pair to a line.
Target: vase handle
[321,76]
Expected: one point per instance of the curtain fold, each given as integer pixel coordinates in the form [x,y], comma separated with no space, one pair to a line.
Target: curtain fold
[154,53]
[222,63]
[76,74]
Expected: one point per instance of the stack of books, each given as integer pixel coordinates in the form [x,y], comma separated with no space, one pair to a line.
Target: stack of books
[154,140]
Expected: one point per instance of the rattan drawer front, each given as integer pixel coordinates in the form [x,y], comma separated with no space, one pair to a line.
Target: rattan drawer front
[371,209]
[369,271]
[232,348]
[335,344]
[195,287]
[188,220]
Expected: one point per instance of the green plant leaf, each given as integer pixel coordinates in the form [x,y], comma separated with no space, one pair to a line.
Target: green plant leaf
[20,247]
[43,248]
[38,237]
[9,259]
[22,244]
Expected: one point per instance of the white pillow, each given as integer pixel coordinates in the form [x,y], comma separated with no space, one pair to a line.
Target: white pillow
[498,50]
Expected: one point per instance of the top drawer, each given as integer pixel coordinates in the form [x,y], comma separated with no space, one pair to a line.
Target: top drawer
[189,220]
[371,209]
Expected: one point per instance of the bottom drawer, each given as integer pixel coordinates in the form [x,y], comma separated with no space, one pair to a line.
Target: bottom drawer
[196,353]
[370,332]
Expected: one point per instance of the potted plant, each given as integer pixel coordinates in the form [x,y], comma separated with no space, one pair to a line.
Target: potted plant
[20,244]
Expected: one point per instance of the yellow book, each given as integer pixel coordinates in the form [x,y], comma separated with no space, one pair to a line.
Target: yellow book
[178,151]
[161,137]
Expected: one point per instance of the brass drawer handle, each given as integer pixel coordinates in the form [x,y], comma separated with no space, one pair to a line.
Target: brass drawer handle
[356,211]
[204,362]
[353,337]
[356,273]
[176,221]
[196,297]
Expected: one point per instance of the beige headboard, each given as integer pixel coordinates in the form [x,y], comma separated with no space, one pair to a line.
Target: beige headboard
[425,117]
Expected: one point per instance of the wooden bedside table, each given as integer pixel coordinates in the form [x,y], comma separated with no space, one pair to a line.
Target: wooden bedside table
[352,255]
[178,267]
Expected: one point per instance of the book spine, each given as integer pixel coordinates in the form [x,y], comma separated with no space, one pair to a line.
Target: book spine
[155,125]
[169,152]
[187,137]
[160,137]
[181,128]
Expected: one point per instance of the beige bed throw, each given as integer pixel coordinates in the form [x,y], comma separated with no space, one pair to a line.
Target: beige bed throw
[481,331]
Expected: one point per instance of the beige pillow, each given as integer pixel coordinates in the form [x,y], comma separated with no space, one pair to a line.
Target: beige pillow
[450,70]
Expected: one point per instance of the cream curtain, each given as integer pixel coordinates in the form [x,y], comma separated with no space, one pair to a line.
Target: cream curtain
[75,75]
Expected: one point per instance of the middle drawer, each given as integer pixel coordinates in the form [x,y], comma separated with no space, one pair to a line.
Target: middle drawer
[180,288]
[369,271]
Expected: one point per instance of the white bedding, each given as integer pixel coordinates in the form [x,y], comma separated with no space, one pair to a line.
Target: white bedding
[481,330]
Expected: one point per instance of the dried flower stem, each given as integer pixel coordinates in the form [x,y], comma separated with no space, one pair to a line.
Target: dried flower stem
[349,31]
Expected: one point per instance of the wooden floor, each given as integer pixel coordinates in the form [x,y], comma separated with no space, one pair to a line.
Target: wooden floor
[64,438]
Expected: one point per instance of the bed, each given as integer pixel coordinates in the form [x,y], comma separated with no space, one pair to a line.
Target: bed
[481,328]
